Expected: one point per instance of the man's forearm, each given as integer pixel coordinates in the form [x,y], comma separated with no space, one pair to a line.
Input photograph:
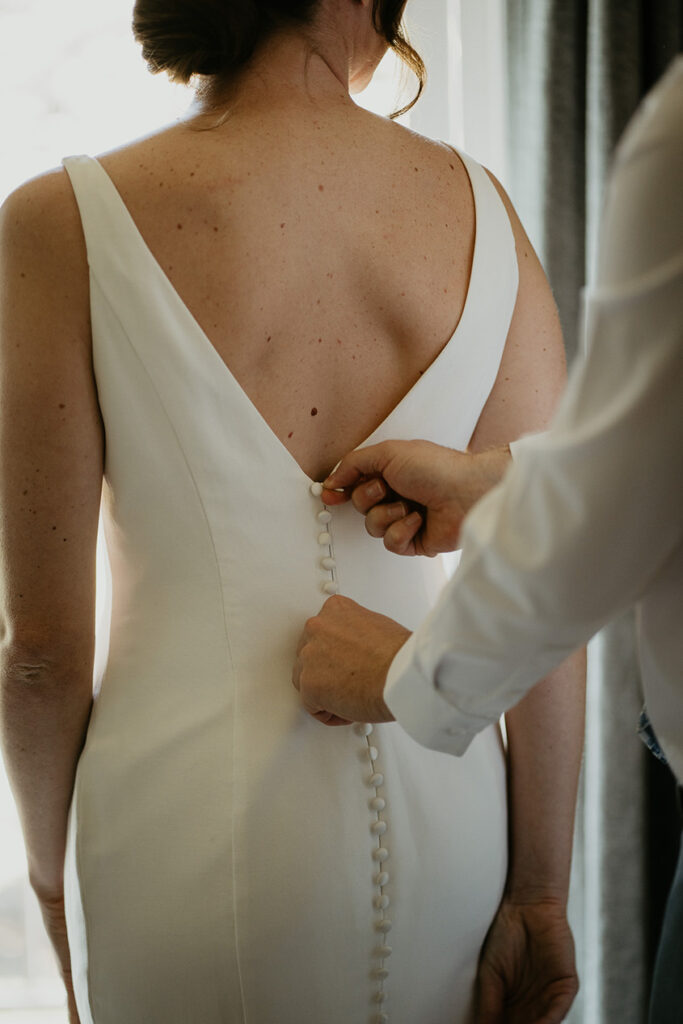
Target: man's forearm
[44,712]
[488,469]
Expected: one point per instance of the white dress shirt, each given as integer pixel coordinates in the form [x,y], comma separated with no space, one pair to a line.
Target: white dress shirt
[589,518]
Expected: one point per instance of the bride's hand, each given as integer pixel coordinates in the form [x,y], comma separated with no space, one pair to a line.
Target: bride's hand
[527,973]
[54,919]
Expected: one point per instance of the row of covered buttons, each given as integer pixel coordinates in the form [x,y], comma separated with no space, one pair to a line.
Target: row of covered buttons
[328,561]
[380,855]
[377,803]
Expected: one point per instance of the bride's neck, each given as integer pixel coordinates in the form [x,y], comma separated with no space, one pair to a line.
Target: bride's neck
[290,69]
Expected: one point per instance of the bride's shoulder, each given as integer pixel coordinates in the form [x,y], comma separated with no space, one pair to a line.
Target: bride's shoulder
[424,165]
[40,226]
[136,154]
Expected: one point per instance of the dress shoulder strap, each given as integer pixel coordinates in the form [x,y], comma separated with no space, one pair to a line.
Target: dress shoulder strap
[112,239]
[494,234]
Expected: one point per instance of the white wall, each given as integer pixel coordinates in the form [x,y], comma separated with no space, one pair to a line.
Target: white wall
[462,44]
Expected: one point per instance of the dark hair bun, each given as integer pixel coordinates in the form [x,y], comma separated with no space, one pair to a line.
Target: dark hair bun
[209,37]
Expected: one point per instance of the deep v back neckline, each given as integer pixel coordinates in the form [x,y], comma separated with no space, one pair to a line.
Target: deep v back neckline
[220,368]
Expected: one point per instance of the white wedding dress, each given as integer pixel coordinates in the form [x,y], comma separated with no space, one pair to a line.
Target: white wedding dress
[230,860]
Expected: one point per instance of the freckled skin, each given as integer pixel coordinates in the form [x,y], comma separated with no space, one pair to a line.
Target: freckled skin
[398,220]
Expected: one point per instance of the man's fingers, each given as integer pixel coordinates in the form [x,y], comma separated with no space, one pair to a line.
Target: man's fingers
[329,497]
[353,467]
[399,537]
[303,639]
[298,661]
[368,494]
[379,519]
[327,718]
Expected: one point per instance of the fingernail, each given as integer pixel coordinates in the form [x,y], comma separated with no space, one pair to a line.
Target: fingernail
[397,510]
[413,519]
[374,489]
[330,481]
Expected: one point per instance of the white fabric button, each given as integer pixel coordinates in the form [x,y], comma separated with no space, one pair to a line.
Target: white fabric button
[380,854]
[380,996]
[381,878]
[381,902]
[383,926]
[378,803]
[372,753]
[383,952]
[376,779]
[380,972]
[324,516]
[330,587]
[381,1018]
[316,489]
[363,728]
[324,537]
[378,828]
[328,563]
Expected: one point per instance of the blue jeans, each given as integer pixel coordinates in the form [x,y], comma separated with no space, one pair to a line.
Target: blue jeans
[666,1002]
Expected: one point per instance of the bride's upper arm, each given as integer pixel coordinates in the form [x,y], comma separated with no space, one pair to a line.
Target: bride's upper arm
[532,371]
[51,436]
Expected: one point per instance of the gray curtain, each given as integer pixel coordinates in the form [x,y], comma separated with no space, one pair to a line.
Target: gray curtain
[577,70]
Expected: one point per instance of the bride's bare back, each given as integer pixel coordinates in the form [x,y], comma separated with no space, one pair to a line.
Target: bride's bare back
[325,252]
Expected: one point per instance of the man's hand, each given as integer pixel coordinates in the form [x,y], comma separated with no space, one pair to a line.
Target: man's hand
[414,494]
[342,662]
[527,973]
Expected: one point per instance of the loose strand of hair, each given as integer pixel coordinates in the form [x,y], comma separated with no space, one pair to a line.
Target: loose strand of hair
[413,62]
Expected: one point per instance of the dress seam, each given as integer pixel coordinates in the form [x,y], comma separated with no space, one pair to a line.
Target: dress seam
[222,598]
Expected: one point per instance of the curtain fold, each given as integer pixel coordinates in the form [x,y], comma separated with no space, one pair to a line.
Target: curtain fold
[576,71]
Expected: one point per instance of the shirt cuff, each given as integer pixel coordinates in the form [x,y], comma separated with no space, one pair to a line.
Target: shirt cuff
[515,446]
[421,710]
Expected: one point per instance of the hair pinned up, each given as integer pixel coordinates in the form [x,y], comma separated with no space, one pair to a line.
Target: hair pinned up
[218,37]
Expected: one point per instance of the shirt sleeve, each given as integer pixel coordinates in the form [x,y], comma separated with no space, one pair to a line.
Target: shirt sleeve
[592,509]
